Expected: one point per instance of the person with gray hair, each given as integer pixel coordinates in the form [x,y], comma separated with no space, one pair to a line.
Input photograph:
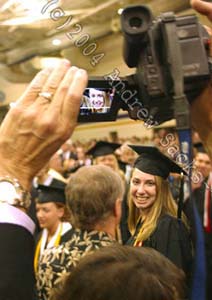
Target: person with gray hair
[94,195]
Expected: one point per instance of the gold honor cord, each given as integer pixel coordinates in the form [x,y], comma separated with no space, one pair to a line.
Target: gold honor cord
[137,242]
[37,250]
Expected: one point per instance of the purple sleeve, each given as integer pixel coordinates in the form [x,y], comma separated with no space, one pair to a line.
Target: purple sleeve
[12,215]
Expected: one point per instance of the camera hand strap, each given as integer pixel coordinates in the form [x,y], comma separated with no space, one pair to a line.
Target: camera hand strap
[182,115]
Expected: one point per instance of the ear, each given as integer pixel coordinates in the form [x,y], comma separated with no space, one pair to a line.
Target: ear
[61,212]
[118,210]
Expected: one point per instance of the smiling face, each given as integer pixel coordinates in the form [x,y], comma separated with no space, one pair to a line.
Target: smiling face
[203,164]
[143,189]
[96,98]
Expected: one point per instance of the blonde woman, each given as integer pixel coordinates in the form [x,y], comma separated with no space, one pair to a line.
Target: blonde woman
[97,100]
[152,211]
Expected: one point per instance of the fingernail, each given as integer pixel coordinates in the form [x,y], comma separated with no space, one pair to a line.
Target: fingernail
[48,70]
[74,68]
[81,72]
[66,62]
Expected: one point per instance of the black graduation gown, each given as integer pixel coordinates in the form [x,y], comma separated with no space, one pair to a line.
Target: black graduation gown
[16,263]
[198,197]
[172,239]
[125,233]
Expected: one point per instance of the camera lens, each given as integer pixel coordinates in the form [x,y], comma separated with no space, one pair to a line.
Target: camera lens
[135,22]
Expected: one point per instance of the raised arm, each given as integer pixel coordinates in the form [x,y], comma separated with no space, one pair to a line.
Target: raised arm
[39,123]
[201,109]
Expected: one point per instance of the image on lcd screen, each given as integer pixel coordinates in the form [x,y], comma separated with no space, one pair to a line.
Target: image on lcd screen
[96,101]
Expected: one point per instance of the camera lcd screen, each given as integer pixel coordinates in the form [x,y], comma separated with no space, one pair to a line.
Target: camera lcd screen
[96,101]
[99,102]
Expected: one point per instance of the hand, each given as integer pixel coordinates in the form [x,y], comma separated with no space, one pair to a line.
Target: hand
[202,118]
[201,107]
[35,128]
[202,7]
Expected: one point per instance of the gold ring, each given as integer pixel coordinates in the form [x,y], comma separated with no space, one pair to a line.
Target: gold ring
[46,95]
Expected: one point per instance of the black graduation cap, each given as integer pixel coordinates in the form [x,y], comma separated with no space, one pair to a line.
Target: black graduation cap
[199,147]
[55,192]
[152,161]
[103,148]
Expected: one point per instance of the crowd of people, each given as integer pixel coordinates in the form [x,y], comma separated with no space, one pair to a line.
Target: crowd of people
[108,224]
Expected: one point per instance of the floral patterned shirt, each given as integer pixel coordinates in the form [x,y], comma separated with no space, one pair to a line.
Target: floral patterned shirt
[59,261]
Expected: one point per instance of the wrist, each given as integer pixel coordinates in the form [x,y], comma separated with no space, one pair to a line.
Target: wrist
[12,193]
[13,172]
[13,164]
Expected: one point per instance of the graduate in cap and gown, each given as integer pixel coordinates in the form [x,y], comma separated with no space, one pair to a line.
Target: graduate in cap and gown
[103,153]
[202,197]
[53,217]
[153,218]
[202,167]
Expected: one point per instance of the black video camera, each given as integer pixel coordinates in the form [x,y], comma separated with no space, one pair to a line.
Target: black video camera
[171,56]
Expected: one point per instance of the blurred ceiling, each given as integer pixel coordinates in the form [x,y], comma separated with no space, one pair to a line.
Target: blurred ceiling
[36,33]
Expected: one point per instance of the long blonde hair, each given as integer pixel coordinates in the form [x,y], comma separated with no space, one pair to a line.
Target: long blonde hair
[164,204]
